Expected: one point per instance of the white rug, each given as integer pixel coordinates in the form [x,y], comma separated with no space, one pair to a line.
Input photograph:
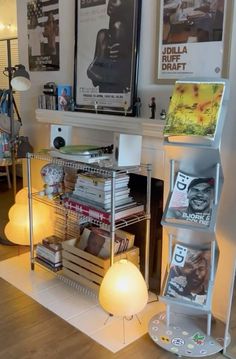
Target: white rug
[77,308]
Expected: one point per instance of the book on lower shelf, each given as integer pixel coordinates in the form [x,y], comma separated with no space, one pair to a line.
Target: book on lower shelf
[189,275]
[191,201]
[101,214]
[195,112]
[52,242]
[55,267]
[97,241]
[51,254]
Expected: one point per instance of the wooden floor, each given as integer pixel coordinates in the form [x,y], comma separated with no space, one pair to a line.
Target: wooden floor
[29,331]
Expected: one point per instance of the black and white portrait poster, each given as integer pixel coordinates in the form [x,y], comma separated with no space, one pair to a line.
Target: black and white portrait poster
[43,35]
[106,47]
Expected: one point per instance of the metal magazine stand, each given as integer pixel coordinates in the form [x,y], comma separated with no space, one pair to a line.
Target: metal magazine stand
[69,220]
[186,328]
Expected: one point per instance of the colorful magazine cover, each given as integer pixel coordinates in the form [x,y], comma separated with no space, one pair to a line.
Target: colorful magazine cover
[194,109]
[188,277]
[191,200]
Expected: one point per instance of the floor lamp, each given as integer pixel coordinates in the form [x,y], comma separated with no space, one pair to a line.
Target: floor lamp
[19,80]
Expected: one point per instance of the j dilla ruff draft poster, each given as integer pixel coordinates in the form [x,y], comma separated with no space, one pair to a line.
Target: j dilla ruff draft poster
[191,38]
[43,35]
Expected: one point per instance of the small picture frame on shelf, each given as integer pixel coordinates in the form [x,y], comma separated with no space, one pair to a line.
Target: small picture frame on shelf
[64,93]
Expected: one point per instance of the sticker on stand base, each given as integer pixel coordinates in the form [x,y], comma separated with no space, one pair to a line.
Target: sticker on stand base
[198,338]
[165,339]
[178,342]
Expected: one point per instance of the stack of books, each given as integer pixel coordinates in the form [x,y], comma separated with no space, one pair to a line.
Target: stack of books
[92,197]
[49,253]
[96,189]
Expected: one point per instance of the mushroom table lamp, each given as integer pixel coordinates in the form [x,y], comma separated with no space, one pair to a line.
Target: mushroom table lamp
[123,291]
[17,229]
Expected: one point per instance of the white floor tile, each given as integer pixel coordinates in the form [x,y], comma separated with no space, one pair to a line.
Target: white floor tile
[77,308]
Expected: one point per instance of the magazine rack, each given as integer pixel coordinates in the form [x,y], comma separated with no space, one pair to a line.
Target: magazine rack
[186,327]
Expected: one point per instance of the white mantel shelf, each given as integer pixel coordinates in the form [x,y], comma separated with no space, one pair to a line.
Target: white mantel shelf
[122,124]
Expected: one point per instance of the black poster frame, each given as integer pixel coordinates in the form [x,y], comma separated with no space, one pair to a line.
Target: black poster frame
[105,71]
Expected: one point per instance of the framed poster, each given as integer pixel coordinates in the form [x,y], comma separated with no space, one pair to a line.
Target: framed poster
[106,55]
[193,39]
[43,35]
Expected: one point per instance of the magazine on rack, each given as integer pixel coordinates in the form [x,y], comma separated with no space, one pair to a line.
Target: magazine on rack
[191,200]
[194,112]
[189,274]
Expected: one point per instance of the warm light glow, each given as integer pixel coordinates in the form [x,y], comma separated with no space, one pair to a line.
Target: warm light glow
[17,229]
[123,291]
[9,27]
[22,195]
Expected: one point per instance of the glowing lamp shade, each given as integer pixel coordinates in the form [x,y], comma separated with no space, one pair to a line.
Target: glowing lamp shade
[21,79]
[123,291]
[17,229]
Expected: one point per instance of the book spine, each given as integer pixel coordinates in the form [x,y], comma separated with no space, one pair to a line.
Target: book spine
[103,205]
[48,264]
[99,195]
[52,246]
[101,183]
[87,211]
[100,215]
[48,249]
[53,257]
[102,186]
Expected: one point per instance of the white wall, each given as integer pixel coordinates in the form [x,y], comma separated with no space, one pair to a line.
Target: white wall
[35,131]
[146,89]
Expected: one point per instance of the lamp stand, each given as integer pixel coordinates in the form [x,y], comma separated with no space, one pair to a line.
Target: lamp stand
[11,105]
[123,322]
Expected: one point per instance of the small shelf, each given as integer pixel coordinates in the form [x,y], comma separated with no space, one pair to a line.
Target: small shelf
[123,124]
[60,207]
[74,212]
[184,304]
[190,226]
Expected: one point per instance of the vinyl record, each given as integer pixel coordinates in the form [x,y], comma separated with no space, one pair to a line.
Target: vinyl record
[82,150]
